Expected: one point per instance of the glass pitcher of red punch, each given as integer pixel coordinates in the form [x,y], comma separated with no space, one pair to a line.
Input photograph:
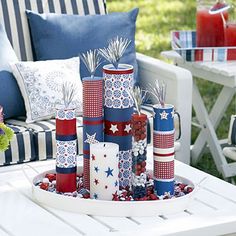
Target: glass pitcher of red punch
[230,27]
[210,20]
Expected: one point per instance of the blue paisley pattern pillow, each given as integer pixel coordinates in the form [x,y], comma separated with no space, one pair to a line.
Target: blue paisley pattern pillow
[41,85]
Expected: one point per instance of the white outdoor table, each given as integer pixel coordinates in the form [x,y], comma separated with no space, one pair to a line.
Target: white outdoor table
[211,212]
[223,73]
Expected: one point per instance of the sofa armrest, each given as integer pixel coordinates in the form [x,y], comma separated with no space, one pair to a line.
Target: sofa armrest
[179,93]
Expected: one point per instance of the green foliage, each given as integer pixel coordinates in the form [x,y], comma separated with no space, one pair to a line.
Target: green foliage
[155,21]
[5,136]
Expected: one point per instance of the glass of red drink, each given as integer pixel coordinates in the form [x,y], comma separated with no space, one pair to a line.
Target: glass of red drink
[210,26]
[230,34]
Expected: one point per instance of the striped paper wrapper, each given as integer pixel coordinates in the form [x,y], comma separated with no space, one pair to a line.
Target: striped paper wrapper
[66,149]
[184,42]
[118,108]
[163,149]
[92,120]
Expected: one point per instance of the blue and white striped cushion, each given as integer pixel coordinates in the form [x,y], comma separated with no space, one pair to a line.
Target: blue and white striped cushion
[22,148]
[12,16]
[44,136]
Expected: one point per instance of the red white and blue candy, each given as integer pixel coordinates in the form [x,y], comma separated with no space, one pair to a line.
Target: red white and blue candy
[139,152]
[48,183]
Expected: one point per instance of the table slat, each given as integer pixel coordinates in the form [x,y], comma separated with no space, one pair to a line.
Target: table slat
[81,222]
[23,217]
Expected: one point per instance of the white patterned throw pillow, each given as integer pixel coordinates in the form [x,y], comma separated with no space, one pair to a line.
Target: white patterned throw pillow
[41,85]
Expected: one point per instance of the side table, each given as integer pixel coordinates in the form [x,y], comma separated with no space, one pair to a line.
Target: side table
[223,73]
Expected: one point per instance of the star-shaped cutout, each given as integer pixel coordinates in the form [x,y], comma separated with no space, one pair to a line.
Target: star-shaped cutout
[116,183]
[127,128]
[164,115]
[93,157]
[96,181]
[91,139]
[109,172]
[95,196]
[96,169]
[113,128]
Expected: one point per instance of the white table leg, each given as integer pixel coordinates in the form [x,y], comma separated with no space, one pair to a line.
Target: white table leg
[208,130]
[215,117]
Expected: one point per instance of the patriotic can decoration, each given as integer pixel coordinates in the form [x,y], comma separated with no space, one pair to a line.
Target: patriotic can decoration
[139,145]
[92,119]
[163,149]
[163,142]
[66,146]
[118,108]
[66,141]
[92,110]
[139,155]
[104,171]
[118,104]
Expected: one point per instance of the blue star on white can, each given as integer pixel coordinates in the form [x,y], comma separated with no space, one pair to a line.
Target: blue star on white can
[104,171]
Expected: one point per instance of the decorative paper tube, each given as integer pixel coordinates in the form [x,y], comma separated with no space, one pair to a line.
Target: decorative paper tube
[66,146]
[104,171]
[163,149]
[92,119]
[139,152]
[118,108]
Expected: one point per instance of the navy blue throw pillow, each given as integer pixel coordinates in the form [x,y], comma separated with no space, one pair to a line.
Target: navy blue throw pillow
[10,95]
[61,36]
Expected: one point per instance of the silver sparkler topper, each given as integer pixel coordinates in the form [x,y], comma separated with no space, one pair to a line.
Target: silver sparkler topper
[91,60]
[69,92]
[138,95]
[115,50]
[159,91]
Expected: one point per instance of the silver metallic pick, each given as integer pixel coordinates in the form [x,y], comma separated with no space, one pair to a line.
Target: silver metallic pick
[68,91]
[115,50]
[159,91]
[138,95]
[91,60]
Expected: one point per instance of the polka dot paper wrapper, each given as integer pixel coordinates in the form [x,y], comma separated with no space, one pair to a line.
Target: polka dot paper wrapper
[164,169]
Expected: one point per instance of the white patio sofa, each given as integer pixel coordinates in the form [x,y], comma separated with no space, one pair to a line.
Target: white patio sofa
[38,138]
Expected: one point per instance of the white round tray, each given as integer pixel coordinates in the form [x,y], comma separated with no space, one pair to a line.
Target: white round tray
[112,208]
